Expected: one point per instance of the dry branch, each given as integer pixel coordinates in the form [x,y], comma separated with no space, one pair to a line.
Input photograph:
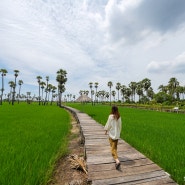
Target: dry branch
[77,162]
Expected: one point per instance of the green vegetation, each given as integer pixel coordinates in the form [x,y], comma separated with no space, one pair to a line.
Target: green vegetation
[158,135]
[32,138]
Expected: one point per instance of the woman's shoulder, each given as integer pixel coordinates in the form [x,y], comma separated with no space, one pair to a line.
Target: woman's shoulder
[111,116]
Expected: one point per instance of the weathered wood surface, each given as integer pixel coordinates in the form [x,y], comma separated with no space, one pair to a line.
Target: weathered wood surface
[135,167]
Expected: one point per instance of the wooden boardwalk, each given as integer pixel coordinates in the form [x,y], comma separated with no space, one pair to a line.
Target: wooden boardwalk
[135,167]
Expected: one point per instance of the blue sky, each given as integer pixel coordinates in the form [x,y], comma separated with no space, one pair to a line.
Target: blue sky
[93,40]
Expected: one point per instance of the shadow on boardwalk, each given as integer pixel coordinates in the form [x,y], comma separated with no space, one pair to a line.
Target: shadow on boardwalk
[135,167]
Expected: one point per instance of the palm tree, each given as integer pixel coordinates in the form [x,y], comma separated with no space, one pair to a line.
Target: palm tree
[53,90]
[128,93]
[118,87]
[110,84]
[46,90]
[28,97]
[16,75]
[96,87]
[12,84]
[139,90]
[74,97]
[42,85]
[150,93]
[38,80]
[146,83]
[3,73]
[172,86]
[61,79]
[133,86]
[81,92]
[20,82]
[179,91]
[91,85]
[107,96]
[86,93]
[123,91]
[163,88]
[49,90]
[102,95]
[113,94]
[97,96]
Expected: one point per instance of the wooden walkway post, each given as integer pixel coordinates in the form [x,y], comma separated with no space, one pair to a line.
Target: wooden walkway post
[135,167]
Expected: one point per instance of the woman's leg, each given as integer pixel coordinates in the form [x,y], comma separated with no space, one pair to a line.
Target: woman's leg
[113,144]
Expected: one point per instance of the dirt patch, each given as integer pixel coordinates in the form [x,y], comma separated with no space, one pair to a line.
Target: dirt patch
[64,174]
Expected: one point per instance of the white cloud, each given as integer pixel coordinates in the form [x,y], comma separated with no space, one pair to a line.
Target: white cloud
[175,66]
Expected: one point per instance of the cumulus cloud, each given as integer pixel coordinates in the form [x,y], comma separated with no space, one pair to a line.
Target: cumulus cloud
[175,66]
[131,21]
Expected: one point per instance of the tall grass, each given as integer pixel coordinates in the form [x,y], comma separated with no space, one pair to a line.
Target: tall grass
[158,135]
[31,139]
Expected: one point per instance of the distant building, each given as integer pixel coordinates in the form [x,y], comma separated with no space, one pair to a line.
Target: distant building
[83,98]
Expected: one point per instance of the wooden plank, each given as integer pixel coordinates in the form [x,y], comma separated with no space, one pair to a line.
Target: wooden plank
[135,170]
[157,181]
[131,179]
[97,141]
[125,149]
[92,159]
[124,164]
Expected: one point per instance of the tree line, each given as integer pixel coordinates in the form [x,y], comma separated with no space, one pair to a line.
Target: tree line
[167,94]
[11,97]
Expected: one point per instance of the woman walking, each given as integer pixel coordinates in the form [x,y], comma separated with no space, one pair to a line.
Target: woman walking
[113,128]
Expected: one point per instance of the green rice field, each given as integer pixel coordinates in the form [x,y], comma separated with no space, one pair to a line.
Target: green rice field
[32,137]
[158,135]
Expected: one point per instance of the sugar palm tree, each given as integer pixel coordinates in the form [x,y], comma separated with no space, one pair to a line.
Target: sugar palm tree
[53,90]
[3,73]
[123,92]
[172,86]
[28,97]
[110,84]
[91,85]
[150,93]
[107,96]
[86,93]
[61,79]
[49,90]
[133,86]
[16,72]
[139,90]
[128,93]
[20,82]
[118,87]
[102,95]
[163,88]
[12,84]
[42,85]
[96,87]
[46,90]
[146,83]
[113,94]
[38,80]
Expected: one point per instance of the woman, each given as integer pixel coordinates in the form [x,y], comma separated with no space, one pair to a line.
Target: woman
[113,127]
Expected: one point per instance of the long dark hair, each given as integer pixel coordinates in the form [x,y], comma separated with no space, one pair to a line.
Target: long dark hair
[115,112]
